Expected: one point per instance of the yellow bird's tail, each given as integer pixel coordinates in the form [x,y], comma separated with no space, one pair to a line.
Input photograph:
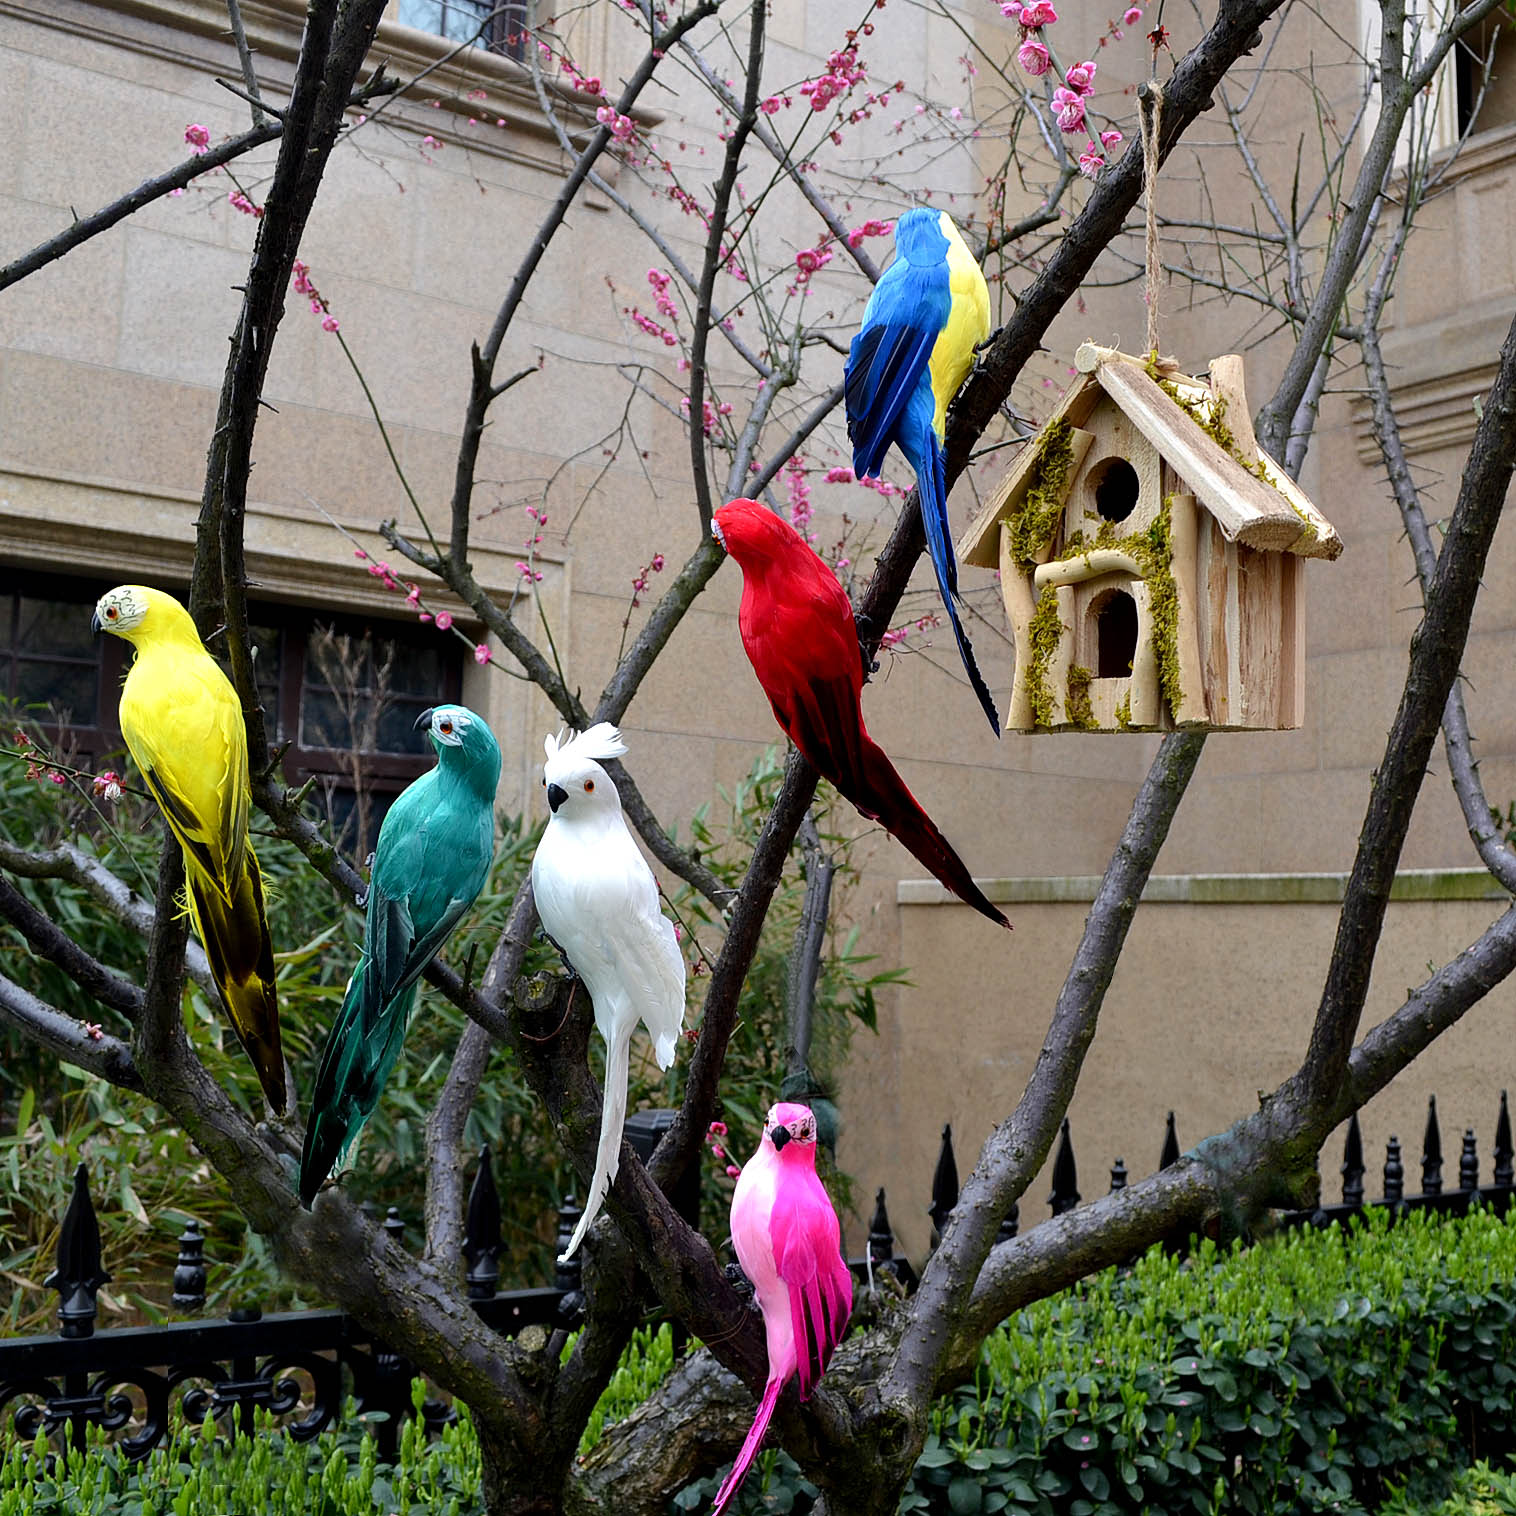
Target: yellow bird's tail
[234,931]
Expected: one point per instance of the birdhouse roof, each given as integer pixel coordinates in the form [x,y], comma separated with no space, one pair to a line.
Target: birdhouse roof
[1258,506]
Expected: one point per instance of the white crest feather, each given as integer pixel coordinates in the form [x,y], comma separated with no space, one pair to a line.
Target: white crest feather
[600,742]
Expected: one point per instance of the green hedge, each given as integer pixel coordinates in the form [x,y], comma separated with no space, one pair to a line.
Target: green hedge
[1315,1371]
[1352,1371]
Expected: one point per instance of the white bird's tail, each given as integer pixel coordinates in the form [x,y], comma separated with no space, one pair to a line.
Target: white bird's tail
[612,1118]
[751,1443]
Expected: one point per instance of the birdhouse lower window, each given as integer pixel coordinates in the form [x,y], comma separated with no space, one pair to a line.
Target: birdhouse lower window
[1115,615]
[1114,488]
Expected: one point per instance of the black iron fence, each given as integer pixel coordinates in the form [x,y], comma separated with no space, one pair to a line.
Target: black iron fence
[300,1366]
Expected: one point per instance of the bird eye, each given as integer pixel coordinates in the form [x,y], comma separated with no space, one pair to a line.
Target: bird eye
[111,613]
[589,786]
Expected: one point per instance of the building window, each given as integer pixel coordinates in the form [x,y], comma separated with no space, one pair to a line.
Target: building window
[1484,73]
[500,28]
[341,693]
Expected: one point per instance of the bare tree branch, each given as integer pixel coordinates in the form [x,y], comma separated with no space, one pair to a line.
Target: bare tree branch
[69,1039]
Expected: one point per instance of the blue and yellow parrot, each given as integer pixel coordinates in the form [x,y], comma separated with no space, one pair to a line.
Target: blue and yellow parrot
[926,316]
[183,726]
[433,855]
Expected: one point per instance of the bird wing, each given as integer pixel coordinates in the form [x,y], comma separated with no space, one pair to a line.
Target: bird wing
[890,357]
[807,1255]
[431,860]
[182,722]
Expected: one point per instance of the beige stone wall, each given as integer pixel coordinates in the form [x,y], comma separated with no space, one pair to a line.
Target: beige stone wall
[110,363]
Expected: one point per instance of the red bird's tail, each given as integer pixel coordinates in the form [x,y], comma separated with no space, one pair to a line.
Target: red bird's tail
[750,1445]
[877,789]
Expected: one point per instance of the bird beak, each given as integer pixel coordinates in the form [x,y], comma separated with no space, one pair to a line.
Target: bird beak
[556,795]
[779,1136]
[719,535]
[94,623]
[424,719]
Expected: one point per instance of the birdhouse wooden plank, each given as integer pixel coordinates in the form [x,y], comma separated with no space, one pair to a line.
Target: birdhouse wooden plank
[1151,557]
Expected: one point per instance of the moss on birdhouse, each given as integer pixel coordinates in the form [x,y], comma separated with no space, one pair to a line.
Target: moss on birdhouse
[1154,551]
[1033,526]
[1124,712]
[1046,630]
[1077,700]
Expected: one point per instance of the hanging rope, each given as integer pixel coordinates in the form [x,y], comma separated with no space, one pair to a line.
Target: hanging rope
[1152,93]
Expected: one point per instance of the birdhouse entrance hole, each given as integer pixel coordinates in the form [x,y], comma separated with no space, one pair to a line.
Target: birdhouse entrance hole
[1115,488]
[1115,615]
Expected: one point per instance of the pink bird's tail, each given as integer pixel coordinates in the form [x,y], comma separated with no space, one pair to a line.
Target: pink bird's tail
[750,1445]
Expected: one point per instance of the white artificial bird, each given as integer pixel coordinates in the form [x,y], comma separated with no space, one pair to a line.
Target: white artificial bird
[598,901]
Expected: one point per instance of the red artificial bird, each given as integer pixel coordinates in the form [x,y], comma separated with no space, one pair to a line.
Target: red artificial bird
[797,627]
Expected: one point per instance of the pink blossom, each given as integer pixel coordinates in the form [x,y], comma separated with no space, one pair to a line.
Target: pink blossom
[107,785]
[1090,162]
[328,323]
[238,201]
[1011,9]
[810,259]
[657,564]
[1032,55]
[732,1171]
[198,137]
[839,476]
[1081,77]
[444,620]
[1109,139]
[770,106]
[1133,16]
[54,777]
[719,1128]
[481,653]
[93,1030]
[1070,109]
[1040,13]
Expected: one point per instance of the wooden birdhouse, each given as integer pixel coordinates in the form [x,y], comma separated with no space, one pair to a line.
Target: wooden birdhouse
[1150,557]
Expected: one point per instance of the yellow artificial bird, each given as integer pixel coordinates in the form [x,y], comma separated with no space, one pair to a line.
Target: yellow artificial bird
[183,725]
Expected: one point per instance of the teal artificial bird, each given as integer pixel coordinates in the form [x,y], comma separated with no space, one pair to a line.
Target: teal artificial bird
[434,852]
[924,320]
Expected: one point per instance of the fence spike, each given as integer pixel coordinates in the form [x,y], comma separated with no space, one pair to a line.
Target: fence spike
[481,1231]
[881,1234]
[189,1270]
[944,1185]
[1503,1151]
[1431,1152]
[1170,1154]
[1065,1193]
[568,1278]
[1118,1175]
[1352,1164]
[1394,1173]
[1468,1162]
[394,1227]
[79,1273]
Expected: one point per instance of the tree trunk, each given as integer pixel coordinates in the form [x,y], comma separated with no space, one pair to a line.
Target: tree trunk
[517,1481]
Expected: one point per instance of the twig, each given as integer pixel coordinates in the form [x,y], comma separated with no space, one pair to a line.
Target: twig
[245,58]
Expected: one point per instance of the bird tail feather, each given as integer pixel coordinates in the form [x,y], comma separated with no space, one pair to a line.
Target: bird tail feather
[931,486]
[884,795]
[751,1443]
[233,929]
[361,1051]
[612,1118]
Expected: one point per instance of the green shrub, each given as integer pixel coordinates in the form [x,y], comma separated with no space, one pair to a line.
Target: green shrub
[196,1473]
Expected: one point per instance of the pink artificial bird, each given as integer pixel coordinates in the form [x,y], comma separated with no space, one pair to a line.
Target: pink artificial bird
[789,1244]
